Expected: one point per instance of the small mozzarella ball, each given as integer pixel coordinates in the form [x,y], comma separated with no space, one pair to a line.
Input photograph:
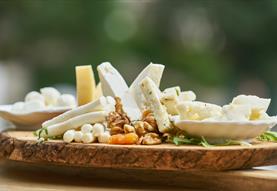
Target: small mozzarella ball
[104,137]
[66,100]
[33,105]
[34,95]
[18,106]
[69,136]
[50,95]
[88,138]
[98,129]
[86,128]
[78,136]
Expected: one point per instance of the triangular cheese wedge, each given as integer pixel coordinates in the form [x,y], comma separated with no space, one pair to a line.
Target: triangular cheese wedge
[85,84]
[113,84]
[152,71]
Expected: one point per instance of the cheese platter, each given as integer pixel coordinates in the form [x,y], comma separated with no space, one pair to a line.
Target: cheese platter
[112,125]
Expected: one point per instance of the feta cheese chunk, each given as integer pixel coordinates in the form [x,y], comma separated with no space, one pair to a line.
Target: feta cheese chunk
[187,96]
[153,71]
[50,95]
[258,106]
[173,90]
[169,99]
[236,112]
[150,91]
[255,102]
[195,110]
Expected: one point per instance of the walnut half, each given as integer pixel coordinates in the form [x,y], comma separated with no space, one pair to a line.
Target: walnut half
[151,139]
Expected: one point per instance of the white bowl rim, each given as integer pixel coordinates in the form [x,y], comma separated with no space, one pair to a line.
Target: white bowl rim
[7,109]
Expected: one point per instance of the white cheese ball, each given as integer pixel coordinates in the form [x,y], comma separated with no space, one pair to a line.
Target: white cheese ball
[88,138]
[50,95]
[69,136]
[33,105]
[104,137]
[18,106]
[98,129]
[66,100]
[86,128]
[34,95]
[78,136]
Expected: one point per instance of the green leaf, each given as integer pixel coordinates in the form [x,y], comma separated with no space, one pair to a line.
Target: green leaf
[268,136]
[205,143]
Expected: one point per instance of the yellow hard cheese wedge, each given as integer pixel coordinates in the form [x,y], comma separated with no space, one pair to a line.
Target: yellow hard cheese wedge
[85,84]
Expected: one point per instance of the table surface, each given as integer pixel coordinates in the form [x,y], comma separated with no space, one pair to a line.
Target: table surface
[13,178]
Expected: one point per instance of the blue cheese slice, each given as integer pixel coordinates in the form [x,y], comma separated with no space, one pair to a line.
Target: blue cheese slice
[150,91]
[153,71]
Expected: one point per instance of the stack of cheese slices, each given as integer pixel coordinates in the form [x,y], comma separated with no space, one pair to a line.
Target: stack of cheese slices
[88,122]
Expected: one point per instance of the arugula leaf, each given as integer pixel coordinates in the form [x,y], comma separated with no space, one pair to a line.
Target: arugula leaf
[268,136]
[205,143]
[185,140]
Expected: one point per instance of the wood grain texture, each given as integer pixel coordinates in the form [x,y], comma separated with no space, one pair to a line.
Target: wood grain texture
[22,146]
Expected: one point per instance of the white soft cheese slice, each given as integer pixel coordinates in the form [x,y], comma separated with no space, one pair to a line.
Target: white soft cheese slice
[150,91]
[114,85]
[102,104]
[153,71]
[76,122]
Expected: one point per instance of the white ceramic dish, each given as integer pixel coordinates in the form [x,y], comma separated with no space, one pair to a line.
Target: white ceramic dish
[30,120]
[234,130]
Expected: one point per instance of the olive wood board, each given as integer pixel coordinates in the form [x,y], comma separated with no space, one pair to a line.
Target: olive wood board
[23,146]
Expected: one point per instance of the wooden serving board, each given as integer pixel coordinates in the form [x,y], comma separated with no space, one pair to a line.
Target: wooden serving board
[23,146]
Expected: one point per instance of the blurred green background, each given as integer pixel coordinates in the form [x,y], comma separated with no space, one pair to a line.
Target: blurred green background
[216,48]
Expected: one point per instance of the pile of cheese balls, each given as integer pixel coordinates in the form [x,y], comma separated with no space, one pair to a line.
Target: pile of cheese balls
[88,134]
[48,97]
